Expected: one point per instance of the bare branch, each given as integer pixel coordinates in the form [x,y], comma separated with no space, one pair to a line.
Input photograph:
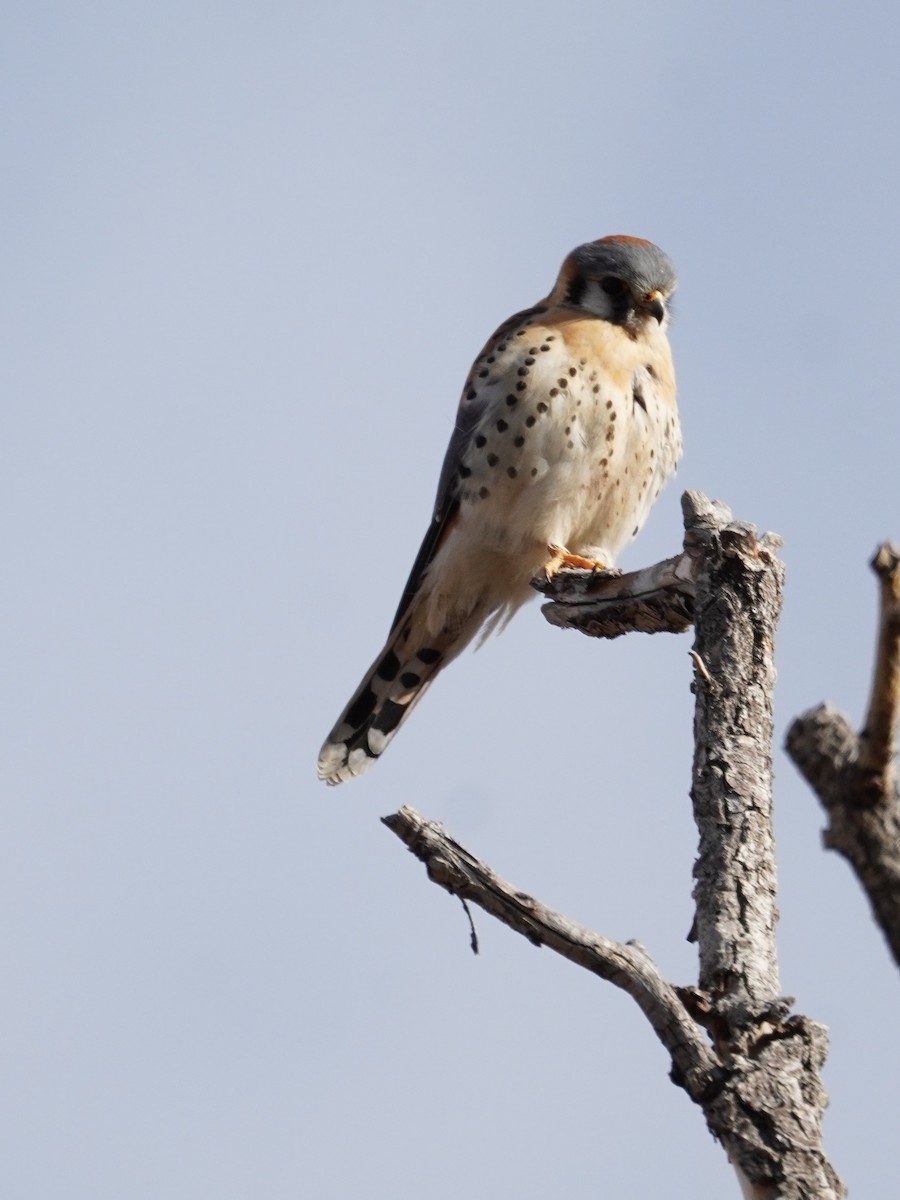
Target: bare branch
[657,599]
[854,776]
[879,734]
[864,824]
[627,966]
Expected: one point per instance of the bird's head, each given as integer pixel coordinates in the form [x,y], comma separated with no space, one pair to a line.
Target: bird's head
[624,280]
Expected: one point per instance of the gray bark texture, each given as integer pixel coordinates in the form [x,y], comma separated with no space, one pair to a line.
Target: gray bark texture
[855,775]
[753,1068]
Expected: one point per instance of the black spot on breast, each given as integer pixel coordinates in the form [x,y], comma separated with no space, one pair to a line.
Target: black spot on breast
[529,421]
[512,400]
[480,441]
[563,383]
[522,371]
[483,374]
[410,679]
[483,493]
[542,407]
[572,371]
[520,387]
[637,396]
[388,667]
[492,460]
[650,371]
[464,471]
[519,441]
[428,655]
[545,348]
[530,361]
[511,472]
[471,394]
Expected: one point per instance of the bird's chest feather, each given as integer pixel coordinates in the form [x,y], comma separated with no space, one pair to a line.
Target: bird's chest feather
[577,435]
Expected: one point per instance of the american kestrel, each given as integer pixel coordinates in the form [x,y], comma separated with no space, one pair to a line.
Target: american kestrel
[566,431]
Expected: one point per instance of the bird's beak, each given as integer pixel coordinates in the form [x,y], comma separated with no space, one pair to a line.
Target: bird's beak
[654,306]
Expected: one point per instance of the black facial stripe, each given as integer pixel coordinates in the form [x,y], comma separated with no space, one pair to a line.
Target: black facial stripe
[621,307]
[575,290]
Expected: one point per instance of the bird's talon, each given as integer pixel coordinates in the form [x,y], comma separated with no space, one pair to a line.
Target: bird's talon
[560,557]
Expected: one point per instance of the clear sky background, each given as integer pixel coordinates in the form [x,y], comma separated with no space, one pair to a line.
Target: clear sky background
[249,253]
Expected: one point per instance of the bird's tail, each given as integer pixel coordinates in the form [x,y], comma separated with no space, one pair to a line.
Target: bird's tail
[397,679]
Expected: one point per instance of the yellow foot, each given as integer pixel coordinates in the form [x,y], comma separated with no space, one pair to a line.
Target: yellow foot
[560,557]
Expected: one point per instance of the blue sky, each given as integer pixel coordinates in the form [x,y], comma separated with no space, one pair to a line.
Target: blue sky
[250,254]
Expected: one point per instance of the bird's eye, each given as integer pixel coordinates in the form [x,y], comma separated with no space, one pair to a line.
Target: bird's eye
[612,286]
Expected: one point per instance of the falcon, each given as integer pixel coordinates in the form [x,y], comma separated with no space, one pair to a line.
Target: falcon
[566,431]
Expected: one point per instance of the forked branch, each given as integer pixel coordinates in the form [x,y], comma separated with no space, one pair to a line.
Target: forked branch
[855,775]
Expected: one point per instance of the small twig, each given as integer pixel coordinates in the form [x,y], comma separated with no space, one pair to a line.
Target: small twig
[473,935]
[700,667]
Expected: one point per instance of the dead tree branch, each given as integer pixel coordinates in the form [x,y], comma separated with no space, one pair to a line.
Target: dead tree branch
[855,775]
[657,599]
[757,1077]
[628,966]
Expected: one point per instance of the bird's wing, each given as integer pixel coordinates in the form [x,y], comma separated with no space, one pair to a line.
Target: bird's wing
[471,409]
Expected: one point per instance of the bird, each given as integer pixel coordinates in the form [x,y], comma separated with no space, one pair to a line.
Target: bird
[566,431]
